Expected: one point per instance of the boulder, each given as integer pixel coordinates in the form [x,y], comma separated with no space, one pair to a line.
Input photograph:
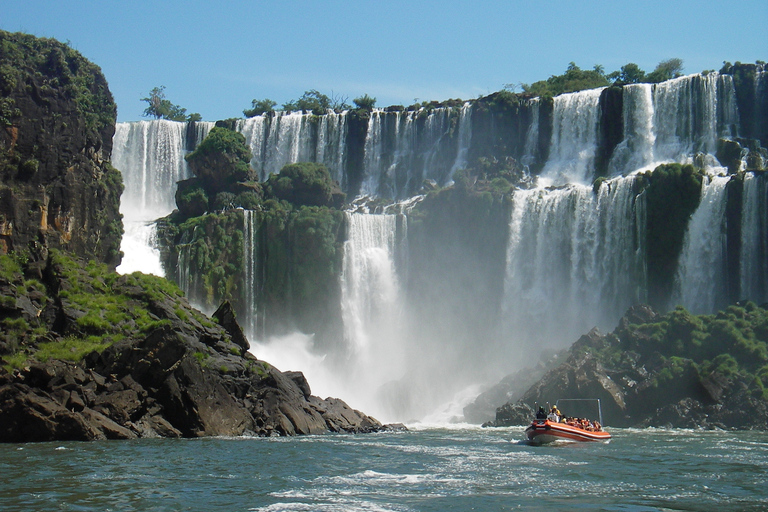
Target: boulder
[225,317]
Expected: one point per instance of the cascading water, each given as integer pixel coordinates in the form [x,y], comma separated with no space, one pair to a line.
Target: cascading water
[332,143]
[700,284]
[371,305]
[574,261]
[402,149]
[675,121]
[636,150]
[575,257]
[150,156]
[754,240]
[250,271]
[289,137]
[531,148]
[465,137]
[574,138]
[691,112]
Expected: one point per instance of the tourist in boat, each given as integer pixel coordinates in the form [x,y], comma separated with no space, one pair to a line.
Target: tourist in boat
[554,415]
[541,414]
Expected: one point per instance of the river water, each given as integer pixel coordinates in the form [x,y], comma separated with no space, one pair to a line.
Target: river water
[424,469]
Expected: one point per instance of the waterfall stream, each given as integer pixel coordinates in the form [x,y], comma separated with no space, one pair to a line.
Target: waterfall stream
[150,156]
[575,256]
[700,284]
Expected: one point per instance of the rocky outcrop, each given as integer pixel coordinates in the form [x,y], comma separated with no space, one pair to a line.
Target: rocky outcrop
[57,119]
[161,368]
[655,370]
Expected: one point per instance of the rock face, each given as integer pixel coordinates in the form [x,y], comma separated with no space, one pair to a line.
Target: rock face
[57,119]
[640,384]
[172,372]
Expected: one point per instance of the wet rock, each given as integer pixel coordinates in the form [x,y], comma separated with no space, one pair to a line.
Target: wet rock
[225,317]
[638,387]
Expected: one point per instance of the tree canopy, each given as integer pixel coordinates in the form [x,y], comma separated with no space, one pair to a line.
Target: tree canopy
[161,107]
[305,183]
[221,159]
[260,107]
[365,102]
[576,79]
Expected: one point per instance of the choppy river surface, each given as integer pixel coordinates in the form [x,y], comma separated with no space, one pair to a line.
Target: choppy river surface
[425,469]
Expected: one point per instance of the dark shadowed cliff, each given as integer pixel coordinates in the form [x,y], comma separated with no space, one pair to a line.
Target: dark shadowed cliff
[57,116]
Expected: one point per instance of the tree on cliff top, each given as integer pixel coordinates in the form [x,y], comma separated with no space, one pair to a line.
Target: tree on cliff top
[666,70]
[161,107]
[574,79]
[260,107]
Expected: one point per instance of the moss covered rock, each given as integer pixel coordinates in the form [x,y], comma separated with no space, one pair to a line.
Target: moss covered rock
[57,120]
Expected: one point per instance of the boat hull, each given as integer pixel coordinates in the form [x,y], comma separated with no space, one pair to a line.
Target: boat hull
[545,431]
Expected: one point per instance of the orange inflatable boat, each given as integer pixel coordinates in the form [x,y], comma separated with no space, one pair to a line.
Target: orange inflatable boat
[545,431]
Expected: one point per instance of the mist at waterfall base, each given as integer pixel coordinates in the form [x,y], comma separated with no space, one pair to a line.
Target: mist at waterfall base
[420,342]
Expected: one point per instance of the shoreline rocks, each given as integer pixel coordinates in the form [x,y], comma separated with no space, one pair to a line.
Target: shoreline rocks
[645,377]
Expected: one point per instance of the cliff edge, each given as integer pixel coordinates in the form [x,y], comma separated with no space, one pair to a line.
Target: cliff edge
[57,118]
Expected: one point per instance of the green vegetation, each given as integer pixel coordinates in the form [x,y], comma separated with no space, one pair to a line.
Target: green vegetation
[312,101]
[732,344]
[576,79]
[365,102]
[160,107]
[58,70]
[673,192]
[8,111]
[221,160]
[260,107]
[307,184]
[99,308]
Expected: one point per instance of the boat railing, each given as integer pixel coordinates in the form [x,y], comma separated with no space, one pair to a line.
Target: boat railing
[599,407]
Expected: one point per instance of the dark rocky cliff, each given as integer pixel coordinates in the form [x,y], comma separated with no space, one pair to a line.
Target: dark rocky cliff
[84,352]
[57,116]
[677,370]
[100,355]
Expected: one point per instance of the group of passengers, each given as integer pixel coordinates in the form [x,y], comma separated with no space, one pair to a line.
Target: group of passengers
[556,416]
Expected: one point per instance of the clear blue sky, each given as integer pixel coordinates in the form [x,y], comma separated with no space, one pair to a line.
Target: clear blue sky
[215,57]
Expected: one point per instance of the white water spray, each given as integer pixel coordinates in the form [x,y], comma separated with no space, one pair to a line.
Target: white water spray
[754,239]
[700,283]
[150,156]
[574,138]
[574,262]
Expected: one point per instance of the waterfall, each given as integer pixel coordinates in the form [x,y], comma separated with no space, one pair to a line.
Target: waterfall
[183,275]
[754,239]
[150,156]
[255,130]
[636,150]
[283,138]
[370,287]
[574,260]
[574,137]
[575,257]
[402,149]
[690,114]
[332,143]
[531,148]
[674,121]
[250,271]
[288,142]
[276,140]
[371,304]
[465,137]
[700,283]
